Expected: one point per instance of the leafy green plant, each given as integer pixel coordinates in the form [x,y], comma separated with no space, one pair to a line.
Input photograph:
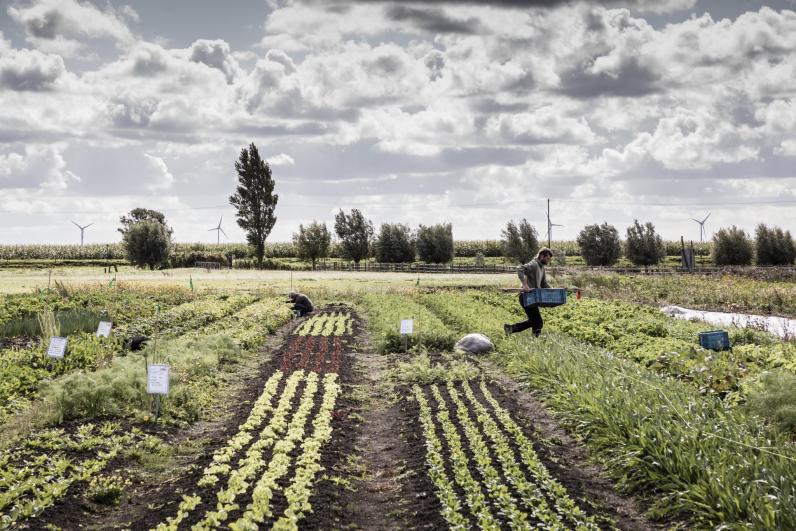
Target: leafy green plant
[107,490]
[774,398]
[420,370]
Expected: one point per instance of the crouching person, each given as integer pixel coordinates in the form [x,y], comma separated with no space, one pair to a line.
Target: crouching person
[301,303]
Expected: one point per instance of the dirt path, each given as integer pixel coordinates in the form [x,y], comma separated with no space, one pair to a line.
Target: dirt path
[393,492]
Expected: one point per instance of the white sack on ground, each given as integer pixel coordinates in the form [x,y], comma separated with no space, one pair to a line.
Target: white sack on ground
[779,326]
[475,344]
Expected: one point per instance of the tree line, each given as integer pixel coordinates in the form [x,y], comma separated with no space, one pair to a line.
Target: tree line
[147,238]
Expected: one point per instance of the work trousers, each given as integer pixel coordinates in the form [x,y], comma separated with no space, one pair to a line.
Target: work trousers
[303,309]
[534,320]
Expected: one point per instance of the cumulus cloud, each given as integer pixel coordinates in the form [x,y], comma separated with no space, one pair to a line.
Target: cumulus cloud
[283,159]
[30,70]
[37,167]
[57,25]
[543,126]
[164,180]
[612,60]
[786,148]
[432,20]
[215,54]
[651,6]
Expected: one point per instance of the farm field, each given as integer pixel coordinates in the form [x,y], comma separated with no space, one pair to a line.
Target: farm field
[614,418]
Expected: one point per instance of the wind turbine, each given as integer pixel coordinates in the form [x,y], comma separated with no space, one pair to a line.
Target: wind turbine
[701,226]
[82,230]
[550,226]
[219,231]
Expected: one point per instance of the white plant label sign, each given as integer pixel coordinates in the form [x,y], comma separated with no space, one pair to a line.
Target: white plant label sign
[407,326]
[57,348]
[104,329]
[157,381]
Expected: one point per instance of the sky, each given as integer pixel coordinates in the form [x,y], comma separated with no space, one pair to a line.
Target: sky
[413,112]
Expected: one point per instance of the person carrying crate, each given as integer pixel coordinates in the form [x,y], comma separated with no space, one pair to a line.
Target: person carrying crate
[532,276]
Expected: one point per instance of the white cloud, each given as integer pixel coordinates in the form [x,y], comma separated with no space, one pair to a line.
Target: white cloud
[164,180]
[690,139]
[216,54]
[30,70]
[37,167]
[542,126]
[56,25]
[283,159]
[786,148]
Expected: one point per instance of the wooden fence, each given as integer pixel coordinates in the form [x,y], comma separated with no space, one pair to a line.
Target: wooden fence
[751,271]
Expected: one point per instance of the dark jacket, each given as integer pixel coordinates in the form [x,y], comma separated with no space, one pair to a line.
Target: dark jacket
[303,301]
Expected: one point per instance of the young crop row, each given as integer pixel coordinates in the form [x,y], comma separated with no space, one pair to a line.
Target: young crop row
[38,472]
[259,459]
[484,468]
[191,315]
[320,354]
[251,325]
[327,324]
[385,312]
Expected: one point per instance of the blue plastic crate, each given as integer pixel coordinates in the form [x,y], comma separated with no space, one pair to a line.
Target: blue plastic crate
[715,340]
[544,297]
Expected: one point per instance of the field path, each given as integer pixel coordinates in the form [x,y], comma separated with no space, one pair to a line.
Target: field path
[393,492]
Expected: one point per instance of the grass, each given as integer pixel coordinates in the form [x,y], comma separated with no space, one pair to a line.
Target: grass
[684,452]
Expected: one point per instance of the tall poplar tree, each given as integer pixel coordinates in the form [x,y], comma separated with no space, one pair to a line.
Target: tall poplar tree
[254,199]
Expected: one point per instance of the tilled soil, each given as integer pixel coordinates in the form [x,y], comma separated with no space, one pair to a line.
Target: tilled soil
[375,465]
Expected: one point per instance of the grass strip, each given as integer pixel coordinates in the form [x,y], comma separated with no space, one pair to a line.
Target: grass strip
[660,438]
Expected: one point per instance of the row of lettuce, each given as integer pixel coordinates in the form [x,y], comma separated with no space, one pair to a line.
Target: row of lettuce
[671,422]
[202,340]
[518,493]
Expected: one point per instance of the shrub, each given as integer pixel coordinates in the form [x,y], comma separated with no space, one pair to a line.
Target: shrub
[600,245]
[435,243]
[643,246]
[395,244]
[732,247]
[520,243]
[774,246]
[147,243]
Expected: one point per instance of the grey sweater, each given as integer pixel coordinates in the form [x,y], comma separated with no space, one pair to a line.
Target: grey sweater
[533,271]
